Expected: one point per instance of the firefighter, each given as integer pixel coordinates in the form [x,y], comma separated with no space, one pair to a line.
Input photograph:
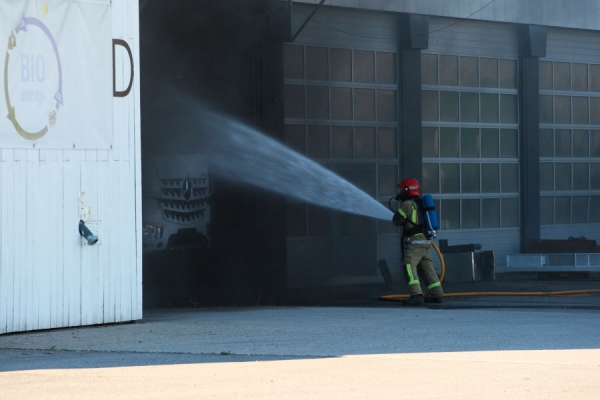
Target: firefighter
[416,259]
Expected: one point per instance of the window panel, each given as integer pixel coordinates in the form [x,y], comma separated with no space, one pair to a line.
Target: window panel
[581,143]
[546,110]
[448,70]
[469,71]
[319,221]
[341,65]
[429,69]
[450,214]
[449,142]
[341,103]
[488,69]
[450,178]
[469,143]
[547,210]
[562,210]
[387,143]
[342,142]
[430,142]
[317,63]
[294,101]
[562,76]
[429,105]
[469,107]
[295,137]
[595,176]
[295,220]
[594,213]
[510,212]
[470,178]
[563,143]
[470,214]
[580,209]
[387,179]
[318,141]
[490,178]
[365,141]
[490,213]
[563,176]
[508,109]
[364,66]
[580,110]
[449,106]
[489,107]
[386,67]
[581,176]
[509,178]
[546,75]
[317,102]
[508,74]
[364,104]
[562,109]
[595,110]
[546,176]
[490,143]
[386,105]
[579,77]
[594,143]
[293,61]
[546,143]
[431,178]
[594,78]
[509,143]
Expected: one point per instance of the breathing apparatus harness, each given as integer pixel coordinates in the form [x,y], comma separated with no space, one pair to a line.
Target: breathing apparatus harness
[423,225]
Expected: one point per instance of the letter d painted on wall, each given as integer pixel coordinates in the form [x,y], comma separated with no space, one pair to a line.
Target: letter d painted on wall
[121,93]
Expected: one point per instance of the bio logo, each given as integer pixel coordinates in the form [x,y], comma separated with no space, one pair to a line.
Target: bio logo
[32,79]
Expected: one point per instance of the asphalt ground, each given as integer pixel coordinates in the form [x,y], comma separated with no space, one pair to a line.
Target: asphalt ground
[360,347]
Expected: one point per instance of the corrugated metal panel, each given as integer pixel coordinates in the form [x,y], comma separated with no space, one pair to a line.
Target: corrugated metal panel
[573,45]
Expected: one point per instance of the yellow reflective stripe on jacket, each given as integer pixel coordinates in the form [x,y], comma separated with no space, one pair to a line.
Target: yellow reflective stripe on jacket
[402,213]
[411,278]
[434,285]
[414,216]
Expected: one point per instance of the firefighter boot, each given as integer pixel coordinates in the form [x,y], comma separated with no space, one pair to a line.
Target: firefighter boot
[433,300]
[414,301]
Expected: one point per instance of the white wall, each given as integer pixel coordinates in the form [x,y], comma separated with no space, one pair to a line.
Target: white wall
[48,279]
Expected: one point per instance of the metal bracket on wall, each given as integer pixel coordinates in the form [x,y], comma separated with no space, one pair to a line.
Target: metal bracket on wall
[307,19]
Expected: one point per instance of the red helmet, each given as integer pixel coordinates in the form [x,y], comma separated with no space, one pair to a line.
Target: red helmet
[409,187]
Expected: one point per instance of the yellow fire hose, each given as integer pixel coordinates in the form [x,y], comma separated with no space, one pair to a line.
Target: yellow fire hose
[400,297]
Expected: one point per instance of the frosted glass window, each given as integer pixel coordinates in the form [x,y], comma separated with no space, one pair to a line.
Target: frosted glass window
[364,66]
[510,212]
[594,78]
[449,142]
[563,176]
[489,107]
[429,105]
[508,109]
[595,110]
[364,104]
[546,110]
[294,101]
[450,214]
[490,210]
[579,77]
[365,141]
[319,221]
[449,106]
[469,107]
[469,143]
[448,70]
[293,61]
[387,179]
[546,143]
[387,143]
[546,75]
[547,210]
[490,143]
[469,71]
[594,213]
[546,176]
[317,63]
[386,67]
[509,143]
[295,220]
[386,105]
[341,103]
[341,65]
[342,142]
[508,74]
[429,69]
[295,137]
[581,143]
[470,214]
[562,210]
[490,178]
[580,209]
[581,176]
[450,177]
[580,110]
[595,176]
[594,143]
[510,178]
[563,143]
[318,141]
[431,178]
[430,142]
[562,109]
[488,68]
[317,102]
[470,178]
[562,76]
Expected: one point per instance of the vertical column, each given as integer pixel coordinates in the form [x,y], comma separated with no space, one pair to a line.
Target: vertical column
[413,36]
[532,45]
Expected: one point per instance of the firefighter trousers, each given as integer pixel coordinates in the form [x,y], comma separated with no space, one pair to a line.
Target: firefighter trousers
[417,262]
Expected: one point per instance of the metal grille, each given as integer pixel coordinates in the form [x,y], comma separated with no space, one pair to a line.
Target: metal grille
[183,206]
[563,262]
